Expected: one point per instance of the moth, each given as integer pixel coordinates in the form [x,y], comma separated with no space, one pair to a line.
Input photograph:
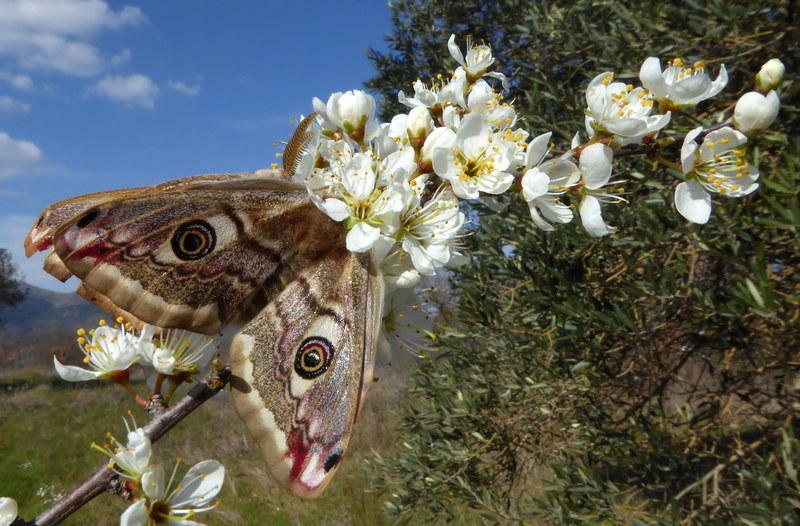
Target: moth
[203,252]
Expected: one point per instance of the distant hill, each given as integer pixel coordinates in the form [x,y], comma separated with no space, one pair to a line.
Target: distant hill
[45,308]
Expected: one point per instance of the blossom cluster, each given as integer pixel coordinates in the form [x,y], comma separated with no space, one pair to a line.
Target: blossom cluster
[110,352]
[398,186]
[154,501]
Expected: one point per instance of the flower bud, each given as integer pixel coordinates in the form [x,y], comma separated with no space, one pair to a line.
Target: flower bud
[8,510]
[754,112]
[354,112]
[439,138]
[420,125]
[770,76]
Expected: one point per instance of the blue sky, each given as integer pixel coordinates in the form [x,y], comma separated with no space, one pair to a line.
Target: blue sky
[97,94]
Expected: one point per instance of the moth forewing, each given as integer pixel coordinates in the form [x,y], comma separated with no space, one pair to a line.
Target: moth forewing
[40,236]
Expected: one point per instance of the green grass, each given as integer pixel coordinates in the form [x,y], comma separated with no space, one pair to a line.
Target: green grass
[45,451]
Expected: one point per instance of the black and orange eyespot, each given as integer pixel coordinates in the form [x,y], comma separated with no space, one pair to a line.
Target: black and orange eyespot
[313,357]
[193,240]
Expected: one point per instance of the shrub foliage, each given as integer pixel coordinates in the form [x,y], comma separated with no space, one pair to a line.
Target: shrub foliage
[649,376]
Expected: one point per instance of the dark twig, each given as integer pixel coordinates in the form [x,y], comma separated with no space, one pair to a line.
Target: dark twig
[105,479]
[653,147]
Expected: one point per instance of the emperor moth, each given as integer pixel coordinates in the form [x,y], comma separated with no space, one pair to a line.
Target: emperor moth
[203,252]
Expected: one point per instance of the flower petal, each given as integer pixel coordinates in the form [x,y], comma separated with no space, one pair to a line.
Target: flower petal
[595,164]
[455,52]
[8,511]
[426,259]
[596,94]
[534,184]
[627,127]
[135,515]
[693,202]
[71,373]
[499,76]
[336,209]
[537,149]
[537,218]
[494,183]
[652,78]
[592,219]
[689,149]
[361,237]
[153,482]
[720,82]
[554,210]
[200,485]
[690,90]
[473,134]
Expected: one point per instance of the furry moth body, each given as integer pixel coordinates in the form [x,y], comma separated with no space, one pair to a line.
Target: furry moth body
[202,252]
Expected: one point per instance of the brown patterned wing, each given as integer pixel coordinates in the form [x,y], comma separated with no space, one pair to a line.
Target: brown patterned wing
[302,367]
[199,256]
[40,236]
[54,216]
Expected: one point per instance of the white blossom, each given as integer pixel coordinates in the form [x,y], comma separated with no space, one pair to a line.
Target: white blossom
[478,163]
[427,231]
[544,182]
[484,99]
[716,166]
[180,351]
[111,350]
[408,323]
[132,459]
[620,109]
[195,493]
[439,94]
[595,166]
[680,86]
[359,201]
[479,58]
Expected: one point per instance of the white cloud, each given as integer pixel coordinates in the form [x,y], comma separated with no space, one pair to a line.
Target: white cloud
[66,17]
[19,81]
[18,156]
[13,229]
[48,51]
[55,35]
[120,58]
[135,89]
[10,105]
[183,88]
